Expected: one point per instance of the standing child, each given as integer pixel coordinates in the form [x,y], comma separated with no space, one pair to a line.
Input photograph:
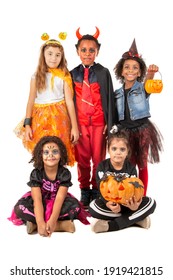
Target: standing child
[50,108]
[94,107]
[48,207]
[113,216]
[132,104]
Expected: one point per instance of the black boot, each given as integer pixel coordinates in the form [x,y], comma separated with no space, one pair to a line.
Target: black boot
[94,194]
[85,197]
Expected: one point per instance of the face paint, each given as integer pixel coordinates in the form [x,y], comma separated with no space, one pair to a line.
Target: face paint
[50,150]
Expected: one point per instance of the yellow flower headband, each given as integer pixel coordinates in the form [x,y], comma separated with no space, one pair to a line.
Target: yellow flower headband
[61,35]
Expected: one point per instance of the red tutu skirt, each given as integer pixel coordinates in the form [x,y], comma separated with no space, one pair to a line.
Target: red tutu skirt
[146,144]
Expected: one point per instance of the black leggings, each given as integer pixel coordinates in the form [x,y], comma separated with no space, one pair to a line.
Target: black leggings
[126,218]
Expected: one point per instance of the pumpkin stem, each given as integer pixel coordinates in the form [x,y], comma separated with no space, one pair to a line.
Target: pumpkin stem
[120,177]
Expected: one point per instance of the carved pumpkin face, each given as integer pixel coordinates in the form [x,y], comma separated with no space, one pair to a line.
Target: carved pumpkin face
[119,190]
[153,86]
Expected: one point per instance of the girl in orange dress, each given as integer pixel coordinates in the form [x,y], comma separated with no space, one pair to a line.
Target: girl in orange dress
[50,108]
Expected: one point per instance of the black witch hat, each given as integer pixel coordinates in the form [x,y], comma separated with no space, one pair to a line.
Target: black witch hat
[132,53]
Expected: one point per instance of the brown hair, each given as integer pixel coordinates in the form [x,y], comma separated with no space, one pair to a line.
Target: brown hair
[42,68]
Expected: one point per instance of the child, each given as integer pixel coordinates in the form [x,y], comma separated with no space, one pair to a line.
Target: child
[50,108]
[94,113]
[49,207]
[132,104]
[113,217]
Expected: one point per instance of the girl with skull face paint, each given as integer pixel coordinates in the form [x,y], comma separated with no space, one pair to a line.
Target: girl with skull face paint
[49,207]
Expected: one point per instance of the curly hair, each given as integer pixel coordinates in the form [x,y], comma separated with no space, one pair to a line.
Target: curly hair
[42,67]
[119,67]
[37,157]
[90,38]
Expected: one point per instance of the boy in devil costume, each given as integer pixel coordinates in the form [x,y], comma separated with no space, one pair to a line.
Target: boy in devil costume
[93,89]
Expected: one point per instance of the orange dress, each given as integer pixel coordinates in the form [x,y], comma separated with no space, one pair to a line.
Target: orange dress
[50,115]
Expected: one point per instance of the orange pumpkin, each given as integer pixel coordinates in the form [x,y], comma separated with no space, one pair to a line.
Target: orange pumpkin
[119,189]
[154,86]
[45,37]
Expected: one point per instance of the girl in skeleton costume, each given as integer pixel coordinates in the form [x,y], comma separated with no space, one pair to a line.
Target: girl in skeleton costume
[50,108]
[49,207]
[113,216]
[132,107]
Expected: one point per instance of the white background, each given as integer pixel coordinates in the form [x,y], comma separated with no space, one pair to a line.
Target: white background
[22,23]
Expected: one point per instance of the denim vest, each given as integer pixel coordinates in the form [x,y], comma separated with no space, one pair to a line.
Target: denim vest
[138,102]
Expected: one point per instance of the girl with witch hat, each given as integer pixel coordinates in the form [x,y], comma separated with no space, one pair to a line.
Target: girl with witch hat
[133,110]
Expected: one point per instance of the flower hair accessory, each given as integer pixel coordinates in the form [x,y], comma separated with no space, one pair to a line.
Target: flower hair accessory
[61,35]
[134,55]
[114,129]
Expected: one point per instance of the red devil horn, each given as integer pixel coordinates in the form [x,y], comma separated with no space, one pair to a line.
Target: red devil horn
[78,35]
[96,35]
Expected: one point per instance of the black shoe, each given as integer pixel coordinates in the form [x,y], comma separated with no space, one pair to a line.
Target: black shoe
[85,197]
[94,194]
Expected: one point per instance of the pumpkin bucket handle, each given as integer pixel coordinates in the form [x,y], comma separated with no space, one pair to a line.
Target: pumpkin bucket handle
[159,74]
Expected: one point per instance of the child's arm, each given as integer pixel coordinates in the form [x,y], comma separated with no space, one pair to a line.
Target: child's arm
[30,104]
[72,114]
[59,200]
[39,210]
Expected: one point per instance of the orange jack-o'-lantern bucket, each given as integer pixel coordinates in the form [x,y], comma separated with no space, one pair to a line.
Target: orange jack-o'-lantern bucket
[154,86]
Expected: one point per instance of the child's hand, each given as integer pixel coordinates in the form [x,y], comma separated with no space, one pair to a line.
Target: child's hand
[105,129]
[153,68]
[74,136]
[41,228]
[132,204]
[50,227]
[28,133]
[114,207]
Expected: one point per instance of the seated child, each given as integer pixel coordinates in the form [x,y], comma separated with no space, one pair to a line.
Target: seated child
[49,207]
[114,216]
